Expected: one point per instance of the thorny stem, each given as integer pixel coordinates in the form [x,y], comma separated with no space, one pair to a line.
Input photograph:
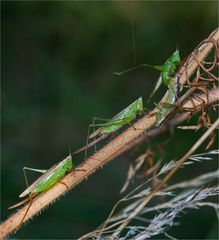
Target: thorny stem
[113,148]
[167,177]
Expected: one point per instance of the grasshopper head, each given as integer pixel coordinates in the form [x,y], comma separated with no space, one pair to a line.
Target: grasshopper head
[67,164]
[176,57]
[139,105]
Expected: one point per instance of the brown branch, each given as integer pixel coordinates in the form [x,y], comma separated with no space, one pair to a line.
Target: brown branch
[114,148]
[214,97]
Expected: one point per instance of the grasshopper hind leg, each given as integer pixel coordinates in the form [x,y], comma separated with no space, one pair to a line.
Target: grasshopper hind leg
[95,146]
[87,142]
[28,208]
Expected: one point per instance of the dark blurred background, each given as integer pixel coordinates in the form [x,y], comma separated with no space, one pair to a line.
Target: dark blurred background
[58,60]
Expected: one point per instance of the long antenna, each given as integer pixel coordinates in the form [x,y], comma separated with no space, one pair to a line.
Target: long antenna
[69,149]
[132,10]
[133,33]
[180,32]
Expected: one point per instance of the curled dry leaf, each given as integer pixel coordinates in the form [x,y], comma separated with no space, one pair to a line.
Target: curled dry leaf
[145,161]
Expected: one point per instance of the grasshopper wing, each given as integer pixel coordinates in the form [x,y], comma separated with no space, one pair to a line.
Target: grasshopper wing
[38,181]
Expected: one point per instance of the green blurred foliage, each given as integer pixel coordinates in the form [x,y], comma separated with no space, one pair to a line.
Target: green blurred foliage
[58,59]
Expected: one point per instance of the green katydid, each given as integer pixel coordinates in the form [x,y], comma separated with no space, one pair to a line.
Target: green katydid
[169,78]
[49,178]
[126,116]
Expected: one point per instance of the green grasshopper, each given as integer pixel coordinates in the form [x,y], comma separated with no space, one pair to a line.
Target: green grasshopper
[169,78]
[126,116]
[49,178]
